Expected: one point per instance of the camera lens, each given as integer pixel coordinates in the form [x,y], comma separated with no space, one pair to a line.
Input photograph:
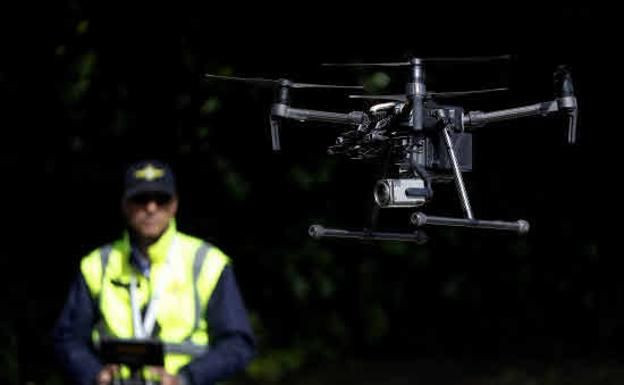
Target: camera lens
[382,193]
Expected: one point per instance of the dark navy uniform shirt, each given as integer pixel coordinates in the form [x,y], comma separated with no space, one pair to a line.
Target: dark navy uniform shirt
[232,344]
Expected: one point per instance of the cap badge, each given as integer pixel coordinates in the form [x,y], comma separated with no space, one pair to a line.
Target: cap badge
[149,173]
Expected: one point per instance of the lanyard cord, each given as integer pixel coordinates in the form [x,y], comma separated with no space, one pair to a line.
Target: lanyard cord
[143,329]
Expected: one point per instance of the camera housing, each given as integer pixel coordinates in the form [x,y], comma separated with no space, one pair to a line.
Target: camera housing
[410,192]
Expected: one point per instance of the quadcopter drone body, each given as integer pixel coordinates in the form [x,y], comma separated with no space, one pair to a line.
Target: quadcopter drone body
[423,142]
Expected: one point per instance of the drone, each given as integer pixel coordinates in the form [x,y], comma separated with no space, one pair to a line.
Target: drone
[425,141]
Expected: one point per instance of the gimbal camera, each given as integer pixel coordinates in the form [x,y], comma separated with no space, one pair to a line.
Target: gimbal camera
[426,142]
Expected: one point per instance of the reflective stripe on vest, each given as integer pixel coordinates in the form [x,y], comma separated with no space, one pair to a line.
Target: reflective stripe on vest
[198,262]
[104,254]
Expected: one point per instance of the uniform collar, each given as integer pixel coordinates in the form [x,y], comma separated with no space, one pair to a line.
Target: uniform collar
[157,252]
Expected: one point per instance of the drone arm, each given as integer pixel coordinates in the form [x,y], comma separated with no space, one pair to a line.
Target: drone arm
[302,115]
[565,102]
[479,118]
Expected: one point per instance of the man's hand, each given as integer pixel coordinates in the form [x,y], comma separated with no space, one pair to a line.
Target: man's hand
[106,375]
[166,378]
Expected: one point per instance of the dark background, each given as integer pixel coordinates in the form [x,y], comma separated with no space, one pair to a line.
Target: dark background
[87,88]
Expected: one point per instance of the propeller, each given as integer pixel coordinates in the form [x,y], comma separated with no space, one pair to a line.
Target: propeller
[452,94]
[474,59]
[448,94]
[394,98]
[280,82]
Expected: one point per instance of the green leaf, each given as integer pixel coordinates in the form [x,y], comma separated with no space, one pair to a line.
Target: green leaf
[377,82]
[82,27]
[210,106]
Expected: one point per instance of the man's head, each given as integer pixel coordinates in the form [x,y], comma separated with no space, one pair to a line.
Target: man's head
[149,199]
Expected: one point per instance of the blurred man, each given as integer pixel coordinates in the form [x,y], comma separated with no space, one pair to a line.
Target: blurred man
[155,283]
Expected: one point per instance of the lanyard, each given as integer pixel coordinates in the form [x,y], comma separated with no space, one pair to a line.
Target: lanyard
[143,329]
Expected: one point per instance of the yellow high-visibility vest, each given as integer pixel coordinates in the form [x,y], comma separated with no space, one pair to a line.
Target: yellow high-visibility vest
[188,282]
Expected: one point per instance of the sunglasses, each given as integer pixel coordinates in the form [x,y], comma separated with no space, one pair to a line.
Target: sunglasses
[144,198]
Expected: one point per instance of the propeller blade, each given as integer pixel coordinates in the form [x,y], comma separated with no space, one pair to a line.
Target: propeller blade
[328,86]
[397,98]
[280,82]
[468,59]
[396,64]
[452,94]
[259,81]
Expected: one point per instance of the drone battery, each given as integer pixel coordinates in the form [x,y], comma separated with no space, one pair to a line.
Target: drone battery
[438,157]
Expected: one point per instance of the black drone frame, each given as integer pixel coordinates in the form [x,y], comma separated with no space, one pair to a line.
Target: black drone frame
[421,122]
